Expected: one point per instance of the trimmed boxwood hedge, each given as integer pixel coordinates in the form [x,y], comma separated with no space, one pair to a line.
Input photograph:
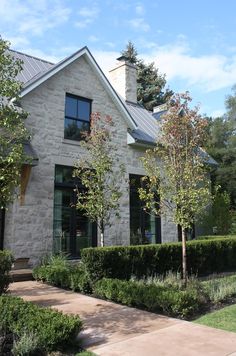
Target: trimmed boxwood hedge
[210,237]
[6,260]
[170,300]
[122,262]
[52,328]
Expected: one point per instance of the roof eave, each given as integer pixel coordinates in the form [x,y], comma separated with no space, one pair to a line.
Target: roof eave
[131,141]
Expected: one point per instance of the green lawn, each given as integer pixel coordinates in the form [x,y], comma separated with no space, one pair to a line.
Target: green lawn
[221,319]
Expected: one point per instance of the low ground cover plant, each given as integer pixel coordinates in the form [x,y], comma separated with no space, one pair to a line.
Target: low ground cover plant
[219,289]
[6,260]
[35,330]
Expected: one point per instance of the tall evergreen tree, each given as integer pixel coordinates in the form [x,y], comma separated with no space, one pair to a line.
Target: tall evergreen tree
[151,84]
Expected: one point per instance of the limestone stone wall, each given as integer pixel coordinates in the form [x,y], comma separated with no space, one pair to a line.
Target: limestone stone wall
[29,228]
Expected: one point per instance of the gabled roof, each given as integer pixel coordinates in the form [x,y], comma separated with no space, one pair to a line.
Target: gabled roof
[142,125]
[46,70]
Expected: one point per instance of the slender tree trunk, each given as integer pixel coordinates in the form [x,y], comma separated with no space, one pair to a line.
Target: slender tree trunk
[184,256]
[102,234]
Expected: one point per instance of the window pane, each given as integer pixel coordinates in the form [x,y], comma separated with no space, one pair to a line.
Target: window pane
[71,106]
[74,129]
[84,110]
[72,230]
[64,175]
[143,226]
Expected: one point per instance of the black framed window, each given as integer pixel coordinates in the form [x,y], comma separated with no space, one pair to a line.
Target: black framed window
[145,228]
[72,230]
[77,117]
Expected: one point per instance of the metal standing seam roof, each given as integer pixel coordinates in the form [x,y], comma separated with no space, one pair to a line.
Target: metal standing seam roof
[148,127]
[32,66]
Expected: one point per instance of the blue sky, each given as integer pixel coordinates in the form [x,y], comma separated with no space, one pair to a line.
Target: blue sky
[193,42]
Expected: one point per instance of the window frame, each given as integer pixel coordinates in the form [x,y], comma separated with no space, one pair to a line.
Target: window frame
[70,187]
[77,119]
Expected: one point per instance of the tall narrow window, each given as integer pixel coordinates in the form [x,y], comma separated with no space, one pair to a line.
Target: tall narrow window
[77,117]
[145,228]
[72,230]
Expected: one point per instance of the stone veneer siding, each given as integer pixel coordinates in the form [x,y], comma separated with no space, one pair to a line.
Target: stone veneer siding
[29,228]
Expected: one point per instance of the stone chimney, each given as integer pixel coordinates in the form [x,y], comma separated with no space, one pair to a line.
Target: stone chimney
[124,79]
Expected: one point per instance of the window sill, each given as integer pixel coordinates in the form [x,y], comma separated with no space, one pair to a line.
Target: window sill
[71,142]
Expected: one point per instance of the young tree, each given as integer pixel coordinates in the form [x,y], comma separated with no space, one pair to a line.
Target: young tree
[12,130]
[150,83]
[100,173]
[175,168]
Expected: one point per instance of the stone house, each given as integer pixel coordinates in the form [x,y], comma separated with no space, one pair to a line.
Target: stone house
[59,99]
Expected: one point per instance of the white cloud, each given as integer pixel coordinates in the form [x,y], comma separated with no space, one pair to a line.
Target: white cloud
[16,41]
[139,9]
[89,12]
[217,113]
[87,16]
[110,44]
[106,59]
[33,16]
[139,24]
[207,72]
[83,23]
[93,38]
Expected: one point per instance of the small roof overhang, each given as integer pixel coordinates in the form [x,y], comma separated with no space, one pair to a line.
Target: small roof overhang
[32,158]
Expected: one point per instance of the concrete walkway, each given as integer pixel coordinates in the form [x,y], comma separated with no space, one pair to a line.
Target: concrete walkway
[112,329]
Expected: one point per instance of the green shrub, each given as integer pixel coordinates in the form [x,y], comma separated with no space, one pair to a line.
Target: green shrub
[80,280]
[27,344]
[53,329]
[55,270]
[58,271]
[203,257]
[212,237]
[6,260]
[155,298]
[220,289]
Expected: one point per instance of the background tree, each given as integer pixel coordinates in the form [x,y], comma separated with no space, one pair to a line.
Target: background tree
[100,174]
[219,217]
[12,130]
[221,145]
[175,168]
[150,83]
